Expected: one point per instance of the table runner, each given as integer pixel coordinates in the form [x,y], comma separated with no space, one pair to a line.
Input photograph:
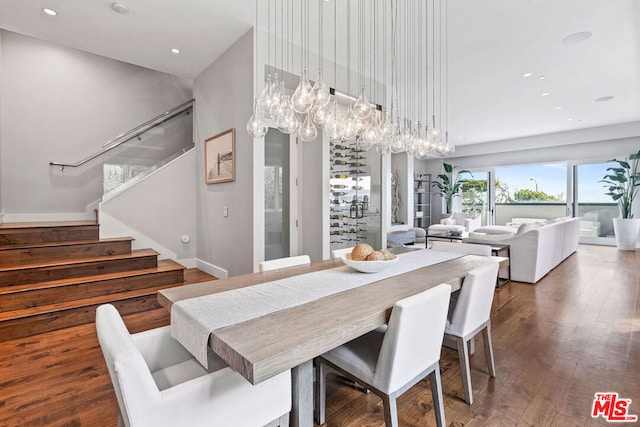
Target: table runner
[192,320]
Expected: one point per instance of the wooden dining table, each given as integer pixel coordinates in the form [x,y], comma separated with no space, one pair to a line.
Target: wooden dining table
[265,346]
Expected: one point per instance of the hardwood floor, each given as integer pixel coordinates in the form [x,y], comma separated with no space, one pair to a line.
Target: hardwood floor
[556,343]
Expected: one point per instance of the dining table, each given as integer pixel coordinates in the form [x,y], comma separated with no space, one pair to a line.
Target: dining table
[290,337]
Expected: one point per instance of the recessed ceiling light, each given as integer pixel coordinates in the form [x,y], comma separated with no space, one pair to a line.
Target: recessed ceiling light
[527,75]
[174,50]
[570,119]
[577,37]
[604,98]
[121,8]
[540,77]
[49,11]
[544,94]
[559,107]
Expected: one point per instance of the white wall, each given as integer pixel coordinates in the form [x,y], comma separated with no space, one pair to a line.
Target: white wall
[224,100]
[62,104]
[158,211]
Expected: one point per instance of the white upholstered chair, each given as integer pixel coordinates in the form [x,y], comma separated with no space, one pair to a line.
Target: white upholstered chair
[338,253]
[291,261]
[458,221]
[469,314]
[390,361]
[158,383]
[465,248]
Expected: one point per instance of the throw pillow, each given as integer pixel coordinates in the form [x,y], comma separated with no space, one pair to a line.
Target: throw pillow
[528,226]
[496,229]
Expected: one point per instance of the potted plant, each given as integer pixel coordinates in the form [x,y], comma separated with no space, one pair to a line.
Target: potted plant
[448,184]
[622,183]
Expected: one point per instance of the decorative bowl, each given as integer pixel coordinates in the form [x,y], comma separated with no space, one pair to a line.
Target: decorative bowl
[367,266]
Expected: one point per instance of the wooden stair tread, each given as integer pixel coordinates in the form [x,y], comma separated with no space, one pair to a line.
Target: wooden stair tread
[64,243]
[163,266]
[46,224]
[138,253]
[60,307]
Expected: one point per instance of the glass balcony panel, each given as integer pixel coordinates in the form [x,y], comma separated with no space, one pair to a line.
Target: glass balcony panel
[144,153]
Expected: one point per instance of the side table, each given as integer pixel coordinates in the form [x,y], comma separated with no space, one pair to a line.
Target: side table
[503,251]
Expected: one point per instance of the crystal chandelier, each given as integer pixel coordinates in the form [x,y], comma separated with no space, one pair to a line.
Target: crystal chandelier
[393,37]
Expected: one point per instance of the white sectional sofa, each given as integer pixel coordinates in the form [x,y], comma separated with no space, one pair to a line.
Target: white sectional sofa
[536,248]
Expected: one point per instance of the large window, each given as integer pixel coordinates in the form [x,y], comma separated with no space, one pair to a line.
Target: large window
[531,191]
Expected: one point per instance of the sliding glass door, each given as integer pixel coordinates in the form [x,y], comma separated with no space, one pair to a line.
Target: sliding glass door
[591,204]
[476,192]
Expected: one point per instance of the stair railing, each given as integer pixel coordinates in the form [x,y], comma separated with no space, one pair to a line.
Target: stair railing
[131,134]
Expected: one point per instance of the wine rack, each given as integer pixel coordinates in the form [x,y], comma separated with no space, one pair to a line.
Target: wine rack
[352,218]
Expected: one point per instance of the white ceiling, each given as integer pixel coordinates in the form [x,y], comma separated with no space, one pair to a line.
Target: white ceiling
[492,43]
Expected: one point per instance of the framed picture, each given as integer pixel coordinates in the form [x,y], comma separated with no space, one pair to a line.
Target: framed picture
[220,157]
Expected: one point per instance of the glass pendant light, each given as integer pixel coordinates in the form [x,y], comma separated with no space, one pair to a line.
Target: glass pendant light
[362,108]
[274,96]
[396,144]
[321,115]
[302,100]
[422,151]
[264,101]
[256,126]
[308,131]
[372,135]
[287,117]
[283,102]
[350,126]
[293,123]
[333,128]
[320,92]
[387,126]
[383,147]
[410,141]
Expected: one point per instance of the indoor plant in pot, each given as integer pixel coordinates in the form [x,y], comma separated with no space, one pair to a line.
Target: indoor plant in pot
[622,183]
[448,184]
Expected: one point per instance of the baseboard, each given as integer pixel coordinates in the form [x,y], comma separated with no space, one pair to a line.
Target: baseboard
[46,217]
[211,269]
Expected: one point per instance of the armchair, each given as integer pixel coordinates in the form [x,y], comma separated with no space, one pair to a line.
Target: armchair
[458,221]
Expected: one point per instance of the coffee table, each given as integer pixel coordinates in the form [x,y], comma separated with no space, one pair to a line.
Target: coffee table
[444,235]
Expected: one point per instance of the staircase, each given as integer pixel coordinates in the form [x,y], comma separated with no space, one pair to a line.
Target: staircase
[54,275]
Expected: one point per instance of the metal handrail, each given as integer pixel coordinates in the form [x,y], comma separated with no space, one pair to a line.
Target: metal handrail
[130,134]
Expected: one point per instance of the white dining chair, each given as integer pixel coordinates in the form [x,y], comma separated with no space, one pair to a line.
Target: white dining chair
[158,383]
[390,361]
[291,261]
[469,315]
[338,253]
[464,248]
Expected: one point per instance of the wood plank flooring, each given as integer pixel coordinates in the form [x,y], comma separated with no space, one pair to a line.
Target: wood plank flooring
[575,333]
